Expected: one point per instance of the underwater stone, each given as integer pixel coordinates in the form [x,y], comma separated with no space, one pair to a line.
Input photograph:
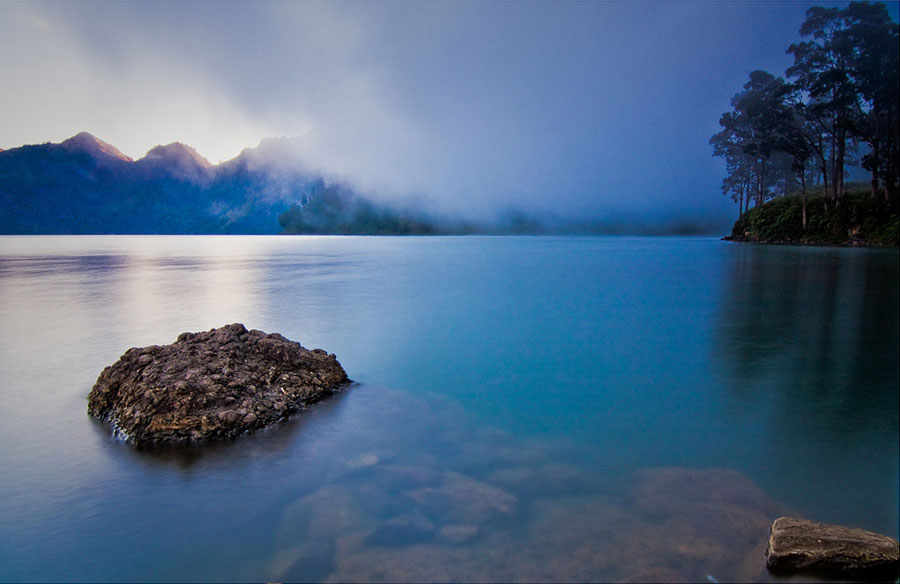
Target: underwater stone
[211,385]
[461,499]
[800,545]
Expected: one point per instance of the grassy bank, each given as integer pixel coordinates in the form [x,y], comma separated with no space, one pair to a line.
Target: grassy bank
[859,219]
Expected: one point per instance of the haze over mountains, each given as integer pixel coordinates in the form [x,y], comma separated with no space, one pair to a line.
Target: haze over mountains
[87,186]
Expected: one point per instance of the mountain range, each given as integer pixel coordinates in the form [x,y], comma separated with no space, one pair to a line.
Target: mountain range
[84,185]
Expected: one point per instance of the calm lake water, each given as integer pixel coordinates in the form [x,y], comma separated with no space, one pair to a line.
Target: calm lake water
[549,408]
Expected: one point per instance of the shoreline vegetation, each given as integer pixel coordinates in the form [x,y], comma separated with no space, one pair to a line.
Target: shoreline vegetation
[859,220]
[789,145]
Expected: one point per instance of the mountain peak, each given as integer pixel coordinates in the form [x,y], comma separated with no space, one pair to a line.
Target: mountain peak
[177,152]
[178,161]
[90,144]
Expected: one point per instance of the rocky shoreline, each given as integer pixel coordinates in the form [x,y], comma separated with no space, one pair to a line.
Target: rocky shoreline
[211,385]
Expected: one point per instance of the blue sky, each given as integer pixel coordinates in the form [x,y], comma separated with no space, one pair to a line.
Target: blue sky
[581,107]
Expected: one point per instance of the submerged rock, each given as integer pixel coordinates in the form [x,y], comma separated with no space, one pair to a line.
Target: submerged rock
[462,499]
[801,545]
[211,385]
[705,523]
[405,529]
[458,534]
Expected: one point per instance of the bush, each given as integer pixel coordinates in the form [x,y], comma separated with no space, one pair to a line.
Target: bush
[859,219]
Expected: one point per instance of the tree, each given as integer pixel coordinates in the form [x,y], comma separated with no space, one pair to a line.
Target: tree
[799,142]
[821,69]
[849,71]
[846,93]
[763,103]
[739,166]
[751,134]
[872,43]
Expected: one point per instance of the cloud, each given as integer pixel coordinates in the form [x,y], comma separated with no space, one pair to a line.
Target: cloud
[580,107]
[125,92]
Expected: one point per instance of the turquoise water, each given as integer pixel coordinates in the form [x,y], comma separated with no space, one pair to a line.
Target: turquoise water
[526,408]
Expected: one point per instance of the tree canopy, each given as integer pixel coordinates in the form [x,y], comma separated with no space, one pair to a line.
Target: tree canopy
[840,103]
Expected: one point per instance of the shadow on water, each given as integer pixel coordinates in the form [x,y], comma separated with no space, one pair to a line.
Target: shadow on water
[810,337]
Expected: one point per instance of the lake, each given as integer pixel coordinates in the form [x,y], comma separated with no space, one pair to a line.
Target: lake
[525,408]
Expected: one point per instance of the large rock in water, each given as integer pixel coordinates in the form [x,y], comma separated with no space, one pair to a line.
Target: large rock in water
[211,385]
[801,545]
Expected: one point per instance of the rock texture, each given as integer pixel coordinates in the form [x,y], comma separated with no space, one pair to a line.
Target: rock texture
[211,385]
[802,545]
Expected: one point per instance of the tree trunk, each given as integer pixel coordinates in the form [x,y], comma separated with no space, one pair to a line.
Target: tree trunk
[875,170]
[839,171]
[834,172]
[876,147]
[760,183]
[803,190]
[824,168]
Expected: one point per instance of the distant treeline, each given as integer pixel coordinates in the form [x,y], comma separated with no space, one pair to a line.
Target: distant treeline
[839,108]
[335,210]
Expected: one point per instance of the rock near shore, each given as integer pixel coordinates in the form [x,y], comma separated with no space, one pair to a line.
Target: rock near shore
[799,545]
[211,385]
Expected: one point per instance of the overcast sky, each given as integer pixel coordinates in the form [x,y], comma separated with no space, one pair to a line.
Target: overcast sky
[599,107]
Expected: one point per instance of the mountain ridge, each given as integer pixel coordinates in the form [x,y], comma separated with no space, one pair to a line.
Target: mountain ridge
[86,185]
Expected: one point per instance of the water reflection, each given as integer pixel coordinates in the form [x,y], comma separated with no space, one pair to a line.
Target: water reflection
[827,318]
[810,336]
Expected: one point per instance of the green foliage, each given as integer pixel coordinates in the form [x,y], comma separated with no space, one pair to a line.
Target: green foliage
[859,220]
